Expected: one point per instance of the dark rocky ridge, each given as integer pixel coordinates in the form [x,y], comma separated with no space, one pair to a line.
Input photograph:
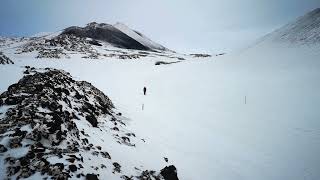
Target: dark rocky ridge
[107,33]
[4,59]
[44,109]
[200,55]
[165,63]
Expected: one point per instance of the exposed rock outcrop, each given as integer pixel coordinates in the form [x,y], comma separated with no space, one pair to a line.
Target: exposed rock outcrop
[200,55]
[165,63]
[57,47]
[43,111]
[169,173]
[49,128]
[4,59]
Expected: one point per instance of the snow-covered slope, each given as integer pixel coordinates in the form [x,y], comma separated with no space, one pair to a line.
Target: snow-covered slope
[142,39]
[303,31]
[196,115]
[246,116]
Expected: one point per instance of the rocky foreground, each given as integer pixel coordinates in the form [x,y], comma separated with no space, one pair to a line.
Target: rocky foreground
[46,130]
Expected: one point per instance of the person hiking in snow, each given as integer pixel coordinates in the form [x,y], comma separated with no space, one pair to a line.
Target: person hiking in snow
[144,90]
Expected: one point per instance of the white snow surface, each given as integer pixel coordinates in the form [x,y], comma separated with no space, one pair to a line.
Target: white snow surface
[196,115]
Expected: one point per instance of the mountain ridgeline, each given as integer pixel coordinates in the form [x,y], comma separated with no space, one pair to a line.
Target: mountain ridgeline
[118,35]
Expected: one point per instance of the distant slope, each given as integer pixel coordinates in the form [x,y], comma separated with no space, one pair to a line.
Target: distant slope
[305,30]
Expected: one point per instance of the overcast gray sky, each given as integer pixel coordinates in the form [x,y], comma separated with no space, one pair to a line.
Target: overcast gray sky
[182,25]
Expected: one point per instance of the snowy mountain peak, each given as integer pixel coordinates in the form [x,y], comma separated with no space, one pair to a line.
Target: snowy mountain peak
[94,41]
[118,35]
[305,30]
[139,37]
